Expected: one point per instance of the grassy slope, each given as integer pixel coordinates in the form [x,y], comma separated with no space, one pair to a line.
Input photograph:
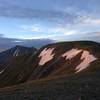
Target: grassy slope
[58,88]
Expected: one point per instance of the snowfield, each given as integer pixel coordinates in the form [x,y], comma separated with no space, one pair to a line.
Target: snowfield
[46,55]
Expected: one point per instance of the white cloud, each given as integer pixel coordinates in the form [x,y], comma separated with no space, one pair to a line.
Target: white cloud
[71,32]
[91,21]
[17,41]
[38,36]
[31,28]
[56,29]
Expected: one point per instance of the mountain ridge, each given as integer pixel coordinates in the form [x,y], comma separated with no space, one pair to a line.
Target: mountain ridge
[64,58]
[65,70]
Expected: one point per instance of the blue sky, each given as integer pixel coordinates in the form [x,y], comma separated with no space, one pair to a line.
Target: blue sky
[61,20]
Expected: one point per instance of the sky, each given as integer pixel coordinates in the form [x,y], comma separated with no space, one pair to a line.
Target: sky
[59,20]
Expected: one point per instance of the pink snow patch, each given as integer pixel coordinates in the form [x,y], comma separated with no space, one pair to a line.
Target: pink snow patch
[46,55]
[88,58]
[71,53]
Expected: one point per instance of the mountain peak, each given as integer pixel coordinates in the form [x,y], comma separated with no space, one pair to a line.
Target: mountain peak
[18,50]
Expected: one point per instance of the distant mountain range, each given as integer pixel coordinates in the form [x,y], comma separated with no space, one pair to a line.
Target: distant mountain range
[8,55]
[74,63]
[6,43]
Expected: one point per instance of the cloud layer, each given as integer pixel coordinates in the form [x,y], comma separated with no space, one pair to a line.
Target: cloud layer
[6,43]
[53,19]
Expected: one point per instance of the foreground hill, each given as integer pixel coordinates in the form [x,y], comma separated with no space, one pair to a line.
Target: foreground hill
[66,58]
[53,60]
[83,87]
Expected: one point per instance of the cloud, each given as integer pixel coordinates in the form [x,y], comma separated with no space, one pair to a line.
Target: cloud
[30,28]
[72,32]
[18,12]
[80,16]
[57,16]
[6,43]
[61,15]
[61,21]
[91,21]
[95,36]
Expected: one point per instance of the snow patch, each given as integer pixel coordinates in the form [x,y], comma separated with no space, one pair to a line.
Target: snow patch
[2,71]
[88,58]
[71,53]
[16,53]
[46,55]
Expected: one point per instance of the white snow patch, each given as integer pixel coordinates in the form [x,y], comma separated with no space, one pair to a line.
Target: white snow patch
[46,55]
[88,58]
[2,71]
[71,53]
[16,53]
